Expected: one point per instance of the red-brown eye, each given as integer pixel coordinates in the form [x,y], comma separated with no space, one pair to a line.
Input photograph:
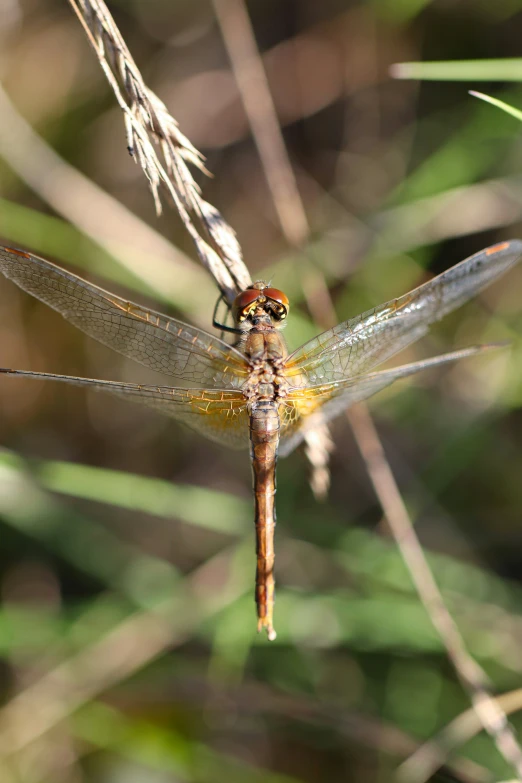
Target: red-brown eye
[245,298]
[277,296]
[243,303]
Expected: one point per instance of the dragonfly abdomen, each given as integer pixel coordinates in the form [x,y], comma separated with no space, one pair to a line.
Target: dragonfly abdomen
[264,440]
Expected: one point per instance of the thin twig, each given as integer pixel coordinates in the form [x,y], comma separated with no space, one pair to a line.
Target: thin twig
[248,68]
[431,755]
[250,75]
[149,126]
[474,679]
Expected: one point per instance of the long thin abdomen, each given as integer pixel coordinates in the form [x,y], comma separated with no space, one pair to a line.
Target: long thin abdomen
[264,440]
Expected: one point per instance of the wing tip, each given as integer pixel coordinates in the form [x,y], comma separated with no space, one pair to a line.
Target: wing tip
[14,251]
[493,346]
[512,245]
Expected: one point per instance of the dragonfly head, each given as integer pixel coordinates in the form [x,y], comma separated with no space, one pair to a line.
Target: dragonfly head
[260,302]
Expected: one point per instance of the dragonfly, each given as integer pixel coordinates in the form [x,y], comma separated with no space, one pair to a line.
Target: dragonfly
[256,394]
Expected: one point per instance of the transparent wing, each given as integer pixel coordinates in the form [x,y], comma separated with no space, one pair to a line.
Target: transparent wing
[219,414]
[357,345]
[328,400]
[155,340]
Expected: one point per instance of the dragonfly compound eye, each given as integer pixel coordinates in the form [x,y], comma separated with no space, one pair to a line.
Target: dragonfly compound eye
[259,294]
[279,302]
[244,303]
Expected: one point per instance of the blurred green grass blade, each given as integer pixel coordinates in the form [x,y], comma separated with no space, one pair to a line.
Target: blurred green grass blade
[89,546]
[314,620]
[503,70]
[194,505]
[399,11]
[51,236]
[500,104]
[163,748]
[476,141]
[24,629]
[384,619]
[40,628]
[107,728]
[380,567]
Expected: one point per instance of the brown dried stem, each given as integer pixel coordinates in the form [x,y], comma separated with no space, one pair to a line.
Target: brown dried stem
[250,75]
[477,684]
[431,755]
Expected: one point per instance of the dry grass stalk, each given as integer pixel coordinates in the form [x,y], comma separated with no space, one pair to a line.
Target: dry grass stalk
[252,83]
[421,765]
[151,128]
[488,710]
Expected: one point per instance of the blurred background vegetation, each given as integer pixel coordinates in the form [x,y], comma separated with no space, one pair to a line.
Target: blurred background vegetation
[127,628]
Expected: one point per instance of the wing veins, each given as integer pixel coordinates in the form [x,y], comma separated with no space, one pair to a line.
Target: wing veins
[366,340]
[186,351]
[218,414]
[328,400]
